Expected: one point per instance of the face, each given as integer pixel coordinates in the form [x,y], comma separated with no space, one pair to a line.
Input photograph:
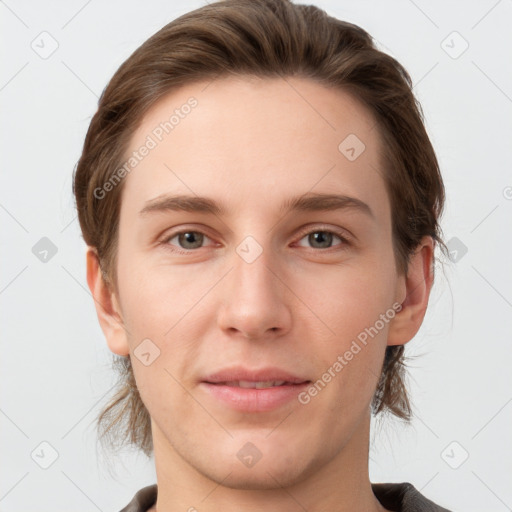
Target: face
[256,290]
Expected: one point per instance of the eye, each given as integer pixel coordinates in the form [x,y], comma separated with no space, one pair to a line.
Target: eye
[323,238]
[187,240]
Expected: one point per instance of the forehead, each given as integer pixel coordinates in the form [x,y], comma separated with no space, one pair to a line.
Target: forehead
[260,138]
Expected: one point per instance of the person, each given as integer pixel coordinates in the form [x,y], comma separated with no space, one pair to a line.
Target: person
[261,206]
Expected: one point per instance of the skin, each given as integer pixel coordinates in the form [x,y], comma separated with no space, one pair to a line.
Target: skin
[250,144]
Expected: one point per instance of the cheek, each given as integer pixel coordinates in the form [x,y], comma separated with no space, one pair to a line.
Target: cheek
[165,312]
[353,308]
[348,299]
[157,297]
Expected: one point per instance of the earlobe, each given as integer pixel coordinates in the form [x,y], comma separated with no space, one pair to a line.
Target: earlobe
[106,305]
[418,284]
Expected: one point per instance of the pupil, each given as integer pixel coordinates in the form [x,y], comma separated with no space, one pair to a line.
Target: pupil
[321,236]
[189,238]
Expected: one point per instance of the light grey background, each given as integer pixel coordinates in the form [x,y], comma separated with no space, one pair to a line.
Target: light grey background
[55,365]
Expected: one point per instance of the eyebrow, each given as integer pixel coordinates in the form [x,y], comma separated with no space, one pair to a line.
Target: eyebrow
[308,202]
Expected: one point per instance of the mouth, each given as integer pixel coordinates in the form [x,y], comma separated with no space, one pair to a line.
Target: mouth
[253,391]
[245,377]
[247,384]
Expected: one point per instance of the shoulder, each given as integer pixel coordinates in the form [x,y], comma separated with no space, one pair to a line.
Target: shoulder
[404,497]
[143,500]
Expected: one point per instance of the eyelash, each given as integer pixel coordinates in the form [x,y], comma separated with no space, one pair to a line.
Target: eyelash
[322,229]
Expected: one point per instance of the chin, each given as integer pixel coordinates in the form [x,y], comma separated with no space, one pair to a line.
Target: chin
[265,478]
[274,470]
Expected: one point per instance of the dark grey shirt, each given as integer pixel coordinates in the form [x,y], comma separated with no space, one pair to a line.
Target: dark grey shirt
[402,497]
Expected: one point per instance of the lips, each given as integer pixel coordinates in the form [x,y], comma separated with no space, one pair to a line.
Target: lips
[254,385]
[264,377]
[253,391]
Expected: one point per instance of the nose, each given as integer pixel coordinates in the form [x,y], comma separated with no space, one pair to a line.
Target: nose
[254,300]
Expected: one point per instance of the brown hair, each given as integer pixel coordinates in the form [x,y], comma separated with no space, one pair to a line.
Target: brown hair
[264,38]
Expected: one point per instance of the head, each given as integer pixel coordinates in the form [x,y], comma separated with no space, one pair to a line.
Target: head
[267,97]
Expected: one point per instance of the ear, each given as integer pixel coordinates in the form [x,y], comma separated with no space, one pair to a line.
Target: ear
[107,307]
[413,294]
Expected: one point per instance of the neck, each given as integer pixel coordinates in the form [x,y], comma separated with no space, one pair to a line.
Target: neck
[342,484]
